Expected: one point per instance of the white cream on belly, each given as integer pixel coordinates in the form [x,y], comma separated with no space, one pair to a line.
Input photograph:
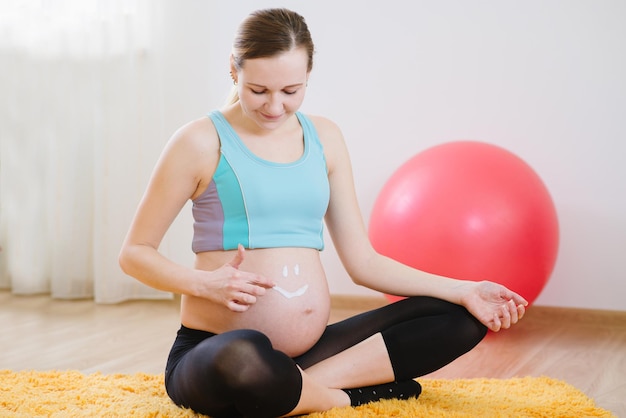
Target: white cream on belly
[287,293]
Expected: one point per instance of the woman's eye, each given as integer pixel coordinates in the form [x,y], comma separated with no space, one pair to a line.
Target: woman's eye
[259,92]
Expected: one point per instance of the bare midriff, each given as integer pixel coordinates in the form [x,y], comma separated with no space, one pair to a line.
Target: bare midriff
[293,315]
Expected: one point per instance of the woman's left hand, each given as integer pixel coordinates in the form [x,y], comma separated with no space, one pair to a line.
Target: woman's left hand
[493,304]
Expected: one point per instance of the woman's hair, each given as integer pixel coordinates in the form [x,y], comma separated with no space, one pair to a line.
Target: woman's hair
[267,33]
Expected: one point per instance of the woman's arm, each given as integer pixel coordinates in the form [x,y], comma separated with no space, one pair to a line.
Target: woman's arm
[487,301]
[177,177]
[183,171]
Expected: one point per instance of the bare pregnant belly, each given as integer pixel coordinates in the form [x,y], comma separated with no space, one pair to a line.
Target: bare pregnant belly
[293,315]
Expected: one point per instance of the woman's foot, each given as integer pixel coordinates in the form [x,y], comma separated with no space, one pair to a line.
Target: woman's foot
[394,390]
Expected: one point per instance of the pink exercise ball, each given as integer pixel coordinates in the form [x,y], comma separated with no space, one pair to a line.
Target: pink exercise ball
[471,211]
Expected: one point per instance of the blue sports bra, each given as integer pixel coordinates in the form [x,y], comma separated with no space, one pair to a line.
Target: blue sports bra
[259,203]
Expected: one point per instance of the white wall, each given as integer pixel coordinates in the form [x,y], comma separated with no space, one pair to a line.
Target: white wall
[544,79]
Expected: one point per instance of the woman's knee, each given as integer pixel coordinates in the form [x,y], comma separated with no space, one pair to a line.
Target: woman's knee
[240,347]
[249,360]
[458,320]
[264,380]
[241,366]
[469,330]
[437,333]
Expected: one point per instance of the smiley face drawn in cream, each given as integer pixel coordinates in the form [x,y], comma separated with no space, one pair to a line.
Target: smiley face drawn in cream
[298,292]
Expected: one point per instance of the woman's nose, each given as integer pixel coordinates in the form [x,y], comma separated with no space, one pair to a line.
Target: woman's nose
[275,104]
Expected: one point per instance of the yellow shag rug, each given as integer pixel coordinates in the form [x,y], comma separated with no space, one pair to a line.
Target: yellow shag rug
[73,394]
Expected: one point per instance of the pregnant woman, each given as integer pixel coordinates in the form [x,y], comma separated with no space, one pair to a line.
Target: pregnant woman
[264,180]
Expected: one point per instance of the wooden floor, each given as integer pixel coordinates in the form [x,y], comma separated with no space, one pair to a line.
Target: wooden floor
[585,348]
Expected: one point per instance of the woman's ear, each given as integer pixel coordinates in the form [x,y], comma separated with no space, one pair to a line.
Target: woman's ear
[233,69]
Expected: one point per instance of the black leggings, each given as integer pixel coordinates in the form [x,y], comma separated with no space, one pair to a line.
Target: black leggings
[238,373]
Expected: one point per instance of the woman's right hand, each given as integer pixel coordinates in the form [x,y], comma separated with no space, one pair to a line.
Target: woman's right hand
[236,289]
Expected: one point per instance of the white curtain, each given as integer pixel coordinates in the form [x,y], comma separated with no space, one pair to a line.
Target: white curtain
[80,130]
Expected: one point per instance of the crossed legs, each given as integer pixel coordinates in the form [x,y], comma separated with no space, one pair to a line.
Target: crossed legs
[364,364]
[239,373]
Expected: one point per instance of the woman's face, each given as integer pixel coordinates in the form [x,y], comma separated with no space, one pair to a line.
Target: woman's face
[272,89]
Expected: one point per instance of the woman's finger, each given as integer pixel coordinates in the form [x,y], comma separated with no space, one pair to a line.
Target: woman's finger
[506,316]
[238,258]
[497,324]
[236,306]
[512,309]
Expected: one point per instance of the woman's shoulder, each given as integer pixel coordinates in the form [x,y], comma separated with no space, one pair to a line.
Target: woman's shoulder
[196,135]
[331,139]
[193,151]
[322,123]
[327,130]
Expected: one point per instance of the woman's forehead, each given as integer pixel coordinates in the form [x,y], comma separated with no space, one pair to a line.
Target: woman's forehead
[287,68]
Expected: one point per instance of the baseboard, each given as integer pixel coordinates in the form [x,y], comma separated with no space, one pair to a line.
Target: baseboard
[358,303]
[583,316]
